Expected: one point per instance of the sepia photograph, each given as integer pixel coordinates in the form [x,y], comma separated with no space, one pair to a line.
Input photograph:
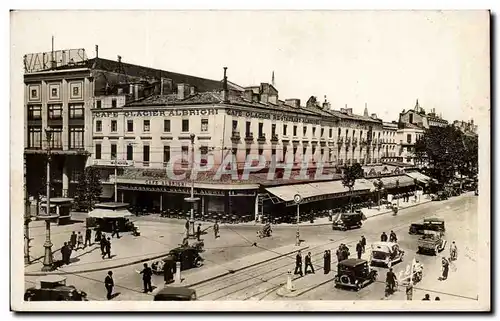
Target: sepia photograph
[267,160]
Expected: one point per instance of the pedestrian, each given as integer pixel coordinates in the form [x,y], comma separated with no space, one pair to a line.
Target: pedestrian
[115,229]
[88,237]
[168,274]
[72,239]
[345,252]
[102,243]
[392,237]
[98,234]
[146,278]
[390,280]
[409,291]
[339,254]
[79,240]
[187,226]
[198,232]
[216,229]
[383,237]
[359,249]
[107,248]
[446,267]
[65,253]
[326,267]
[437,299]
[453,251]
[308,263]
[427,297]
[363,242]
[109,284]
[298,263]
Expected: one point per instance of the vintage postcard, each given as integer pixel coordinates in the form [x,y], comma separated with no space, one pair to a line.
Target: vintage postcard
[250,160]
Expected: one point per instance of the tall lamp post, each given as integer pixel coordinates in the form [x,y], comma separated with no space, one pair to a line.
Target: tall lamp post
[297,199]
[48,259]
[192,199]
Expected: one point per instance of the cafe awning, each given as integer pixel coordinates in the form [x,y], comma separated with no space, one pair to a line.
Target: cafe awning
[108,213]
[420,177]
[390,182]
[309,190]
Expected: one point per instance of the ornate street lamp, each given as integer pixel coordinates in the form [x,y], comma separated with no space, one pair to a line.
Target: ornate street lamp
[48,259]
[192,199]
[297,199]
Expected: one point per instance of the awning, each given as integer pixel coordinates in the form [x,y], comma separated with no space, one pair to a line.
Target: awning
[287,192]
[390,182]
[420,177]
[107,191]
[106,213]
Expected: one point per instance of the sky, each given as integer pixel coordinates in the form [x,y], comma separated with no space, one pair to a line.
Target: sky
[385,59]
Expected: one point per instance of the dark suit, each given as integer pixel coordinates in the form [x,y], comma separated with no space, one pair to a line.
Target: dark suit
[359,249]
[298,265]
[308,264]
[146,279]
[109,284]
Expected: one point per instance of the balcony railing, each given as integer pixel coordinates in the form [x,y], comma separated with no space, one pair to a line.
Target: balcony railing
[348,141]
[354,141]
[249,137]
[262,138]
[274,138]
[235,137]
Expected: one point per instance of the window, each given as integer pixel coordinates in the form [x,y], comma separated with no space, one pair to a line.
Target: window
[185,125]
[330,132]
[294,151]
[273,130]
[235,124]
[284,130]
[76,111]
[98,151]
[55,111]
[166,155]
[247,129]
[34,137]
[76,137]
[261,150]
[261,126]
[34,112]
[98,104]
[273,151]
[408,138]
[304,130]
[130,152]
[314,131]
[113,151]
[98,126]
[322,132]
[295,130]
[247,152]
[204,125]
[114,126]
[313,150]
[304,150]
[411,118]
[130,125]
[56,139]
[113,103]
[166,125]
[341,133]
[146,125]
[145,155]
[184,154]
[353,133]
[322,151]
[285,149]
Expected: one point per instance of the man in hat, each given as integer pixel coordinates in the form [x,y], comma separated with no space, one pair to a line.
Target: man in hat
[109,284]
[298,263]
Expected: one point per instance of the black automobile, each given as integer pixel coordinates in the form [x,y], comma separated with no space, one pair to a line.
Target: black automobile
[354,274]
[189,256]
[346,221]
[430,223]
[171,293]
[54,288]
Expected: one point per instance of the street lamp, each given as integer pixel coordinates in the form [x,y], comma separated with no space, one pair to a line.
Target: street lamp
[192,199]
[48,259]
[297,199]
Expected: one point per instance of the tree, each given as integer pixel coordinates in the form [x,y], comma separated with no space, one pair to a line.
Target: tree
[379,186]
[351,173]
[89,189]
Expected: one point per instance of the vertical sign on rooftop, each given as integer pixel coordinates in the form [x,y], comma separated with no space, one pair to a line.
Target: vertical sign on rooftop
[34,62]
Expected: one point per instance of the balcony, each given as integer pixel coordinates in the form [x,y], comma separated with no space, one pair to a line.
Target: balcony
[348,141]
[274,138]
[340,140]
[249,138]
[374,141]
[364,142]
[262,138]
[354,142]
[235,137]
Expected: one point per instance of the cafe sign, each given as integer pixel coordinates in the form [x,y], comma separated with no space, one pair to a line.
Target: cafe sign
[271,116]
[158,113]
[112,162]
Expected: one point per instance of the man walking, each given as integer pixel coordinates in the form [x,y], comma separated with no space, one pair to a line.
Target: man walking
[359,249]
[107,248]
[109,284]
[216,229]
[72,240]
[187,227]
[102,243]
[146,278]
[446,267]
[393,238]
[88,237]
[65,253]
[308,263]
[79,240]
[363,242]
[298,264]
[383,237]
[198,232]
[115,230]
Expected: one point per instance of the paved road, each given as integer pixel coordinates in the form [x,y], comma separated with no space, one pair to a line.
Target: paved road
[262,281]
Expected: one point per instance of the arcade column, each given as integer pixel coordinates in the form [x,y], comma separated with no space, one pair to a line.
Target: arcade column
[65,179]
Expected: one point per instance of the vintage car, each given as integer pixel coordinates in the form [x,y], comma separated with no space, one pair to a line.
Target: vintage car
[386,254]
[431,223]
[431,242]
[54,288]
[170,293]
[346,221]
[189,256]
[439,196]
[354,274]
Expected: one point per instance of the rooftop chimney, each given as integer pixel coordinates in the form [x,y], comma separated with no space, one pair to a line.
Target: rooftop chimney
[192,90]
[248,94]
[225,92]
[119,58]
[365,113]
[96,51]
[293,102]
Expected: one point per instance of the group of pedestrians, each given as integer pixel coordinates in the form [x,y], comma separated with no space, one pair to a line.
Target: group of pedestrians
[75,242]
[392,237]
[105,244]
[308,264]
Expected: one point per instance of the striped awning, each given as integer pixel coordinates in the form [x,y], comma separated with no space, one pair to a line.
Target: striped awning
[420,177]
[390,182]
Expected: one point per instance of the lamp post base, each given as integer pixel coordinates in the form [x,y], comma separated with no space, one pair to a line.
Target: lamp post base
[48,259]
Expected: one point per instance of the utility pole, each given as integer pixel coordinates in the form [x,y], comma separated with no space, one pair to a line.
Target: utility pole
[192,199]
[297,199]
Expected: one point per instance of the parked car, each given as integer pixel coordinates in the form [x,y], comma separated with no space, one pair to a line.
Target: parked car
[431,242]
[430,223]
[346,221]
[354,274]
[439,196]
[386,254]
[180,293]
[54,288]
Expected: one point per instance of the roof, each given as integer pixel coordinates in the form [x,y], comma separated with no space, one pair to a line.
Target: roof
[389,244]
[353,262]
[433,219]
[176,291]
[51,278]
[353,116]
